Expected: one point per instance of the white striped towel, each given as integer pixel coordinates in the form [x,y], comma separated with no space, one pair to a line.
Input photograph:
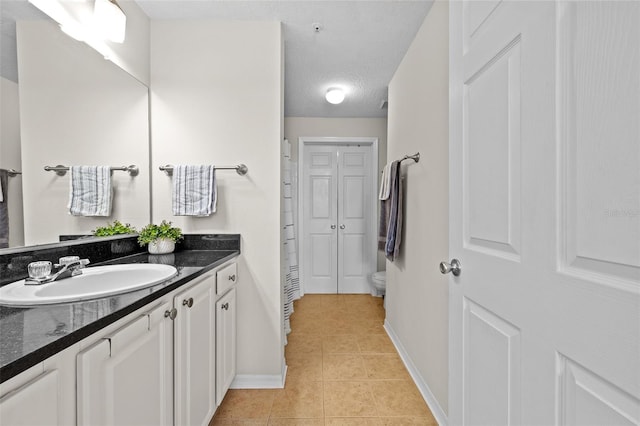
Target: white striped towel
[194,190]
[90,191]
[385,183]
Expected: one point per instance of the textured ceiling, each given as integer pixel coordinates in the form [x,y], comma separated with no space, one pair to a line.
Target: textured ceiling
[358,47]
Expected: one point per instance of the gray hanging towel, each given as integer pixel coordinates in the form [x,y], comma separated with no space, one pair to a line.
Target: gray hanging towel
[392,246]
[4,209]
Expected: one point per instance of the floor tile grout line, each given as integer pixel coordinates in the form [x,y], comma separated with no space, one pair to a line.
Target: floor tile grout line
[273,401]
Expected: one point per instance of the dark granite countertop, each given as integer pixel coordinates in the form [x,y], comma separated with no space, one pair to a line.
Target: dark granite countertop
[31,335]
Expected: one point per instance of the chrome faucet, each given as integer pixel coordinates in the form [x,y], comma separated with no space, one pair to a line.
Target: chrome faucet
[69,267]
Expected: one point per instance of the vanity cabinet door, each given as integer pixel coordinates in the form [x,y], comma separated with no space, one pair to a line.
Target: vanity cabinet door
[34,403]
[225,343]
[127,377]
[194,341]
[226,278]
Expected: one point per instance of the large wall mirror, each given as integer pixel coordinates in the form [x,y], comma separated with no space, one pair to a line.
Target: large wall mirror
[75,108]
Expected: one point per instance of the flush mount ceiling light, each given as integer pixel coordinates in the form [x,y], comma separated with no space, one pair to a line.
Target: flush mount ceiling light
[110,20]
[335,95]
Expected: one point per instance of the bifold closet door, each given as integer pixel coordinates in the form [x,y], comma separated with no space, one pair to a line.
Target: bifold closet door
[320,212]
[355,214]
[337,214]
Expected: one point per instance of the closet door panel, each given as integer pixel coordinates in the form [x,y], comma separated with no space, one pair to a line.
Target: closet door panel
[320,211]
[355,215]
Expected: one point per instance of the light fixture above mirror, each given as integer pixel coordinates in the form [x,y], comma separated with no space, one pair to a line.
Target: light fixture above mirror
[110,20]
[107,21]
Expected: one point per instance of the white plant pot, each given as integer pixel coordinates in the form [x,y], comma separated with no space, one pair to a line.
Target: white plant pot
[162,246]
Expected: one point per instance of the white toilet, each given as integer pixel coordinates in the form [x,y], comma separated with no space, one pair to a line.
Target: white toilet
[379,281]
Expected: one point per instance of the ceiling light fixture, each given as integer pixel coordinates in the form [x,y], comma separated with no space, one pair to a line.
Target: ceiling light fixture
[335,96]
[110,20]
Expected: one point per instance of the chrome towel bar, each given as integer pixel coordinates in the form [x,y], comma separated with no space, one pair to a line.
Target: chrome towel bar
[62,170]
[12,172]
[415,157]
[241,169]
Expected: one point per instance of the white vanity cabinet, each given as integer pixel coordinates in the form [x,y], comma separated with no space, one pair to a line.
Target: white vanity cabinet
[225,343]
[170,362]
[42,395]
[226,278]
[17,407]
[126,377]
[194,343]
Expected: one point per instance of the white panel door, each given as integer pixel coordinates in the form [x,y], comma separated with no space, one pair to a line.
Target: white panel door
[354,219]
[320,211]
[126,378]
[194,342]
[338,214]
[545,213]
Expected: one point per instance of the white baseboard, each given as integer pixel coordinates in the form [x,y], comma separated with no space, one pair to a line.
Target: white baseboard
[428,396]
[259,381]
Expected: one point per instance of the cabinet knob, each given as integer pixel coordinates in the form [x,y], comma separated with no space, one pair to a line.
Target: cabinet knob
[172,314]
[226,306]
[188,302]
[232,277]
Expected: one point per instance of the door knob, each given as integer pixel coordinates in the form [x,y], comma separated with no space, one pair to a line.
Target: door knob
[333,226]
[342,226]
[172,314]
[188,302]
[453,267]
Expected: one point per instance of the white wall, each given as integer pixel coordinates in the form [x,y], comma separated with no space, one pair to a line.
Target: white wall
[76,108]
[10,157]
[133,54]
[216,98]
[295,127]
[417,294]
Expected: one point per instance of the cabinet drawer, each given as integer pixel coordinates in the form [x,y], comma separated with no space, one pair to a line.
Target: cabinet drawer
[226,278]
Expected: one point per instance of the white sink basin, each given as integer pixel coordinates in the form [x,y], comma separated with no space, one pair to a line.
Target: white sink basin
[95,282]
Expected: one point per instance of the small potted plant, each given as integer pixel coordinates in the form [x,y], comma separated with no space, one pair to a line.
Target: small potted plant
[117,228]
[160,238]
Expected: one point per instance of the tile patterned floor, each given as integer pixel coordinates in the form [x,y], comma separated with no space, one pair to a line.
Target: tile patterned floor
[342,370]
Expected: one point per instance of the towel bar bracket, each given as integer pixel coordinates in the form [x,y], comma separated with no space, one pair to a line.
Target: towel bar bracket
[242,169]
[415,157]
[60,170]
